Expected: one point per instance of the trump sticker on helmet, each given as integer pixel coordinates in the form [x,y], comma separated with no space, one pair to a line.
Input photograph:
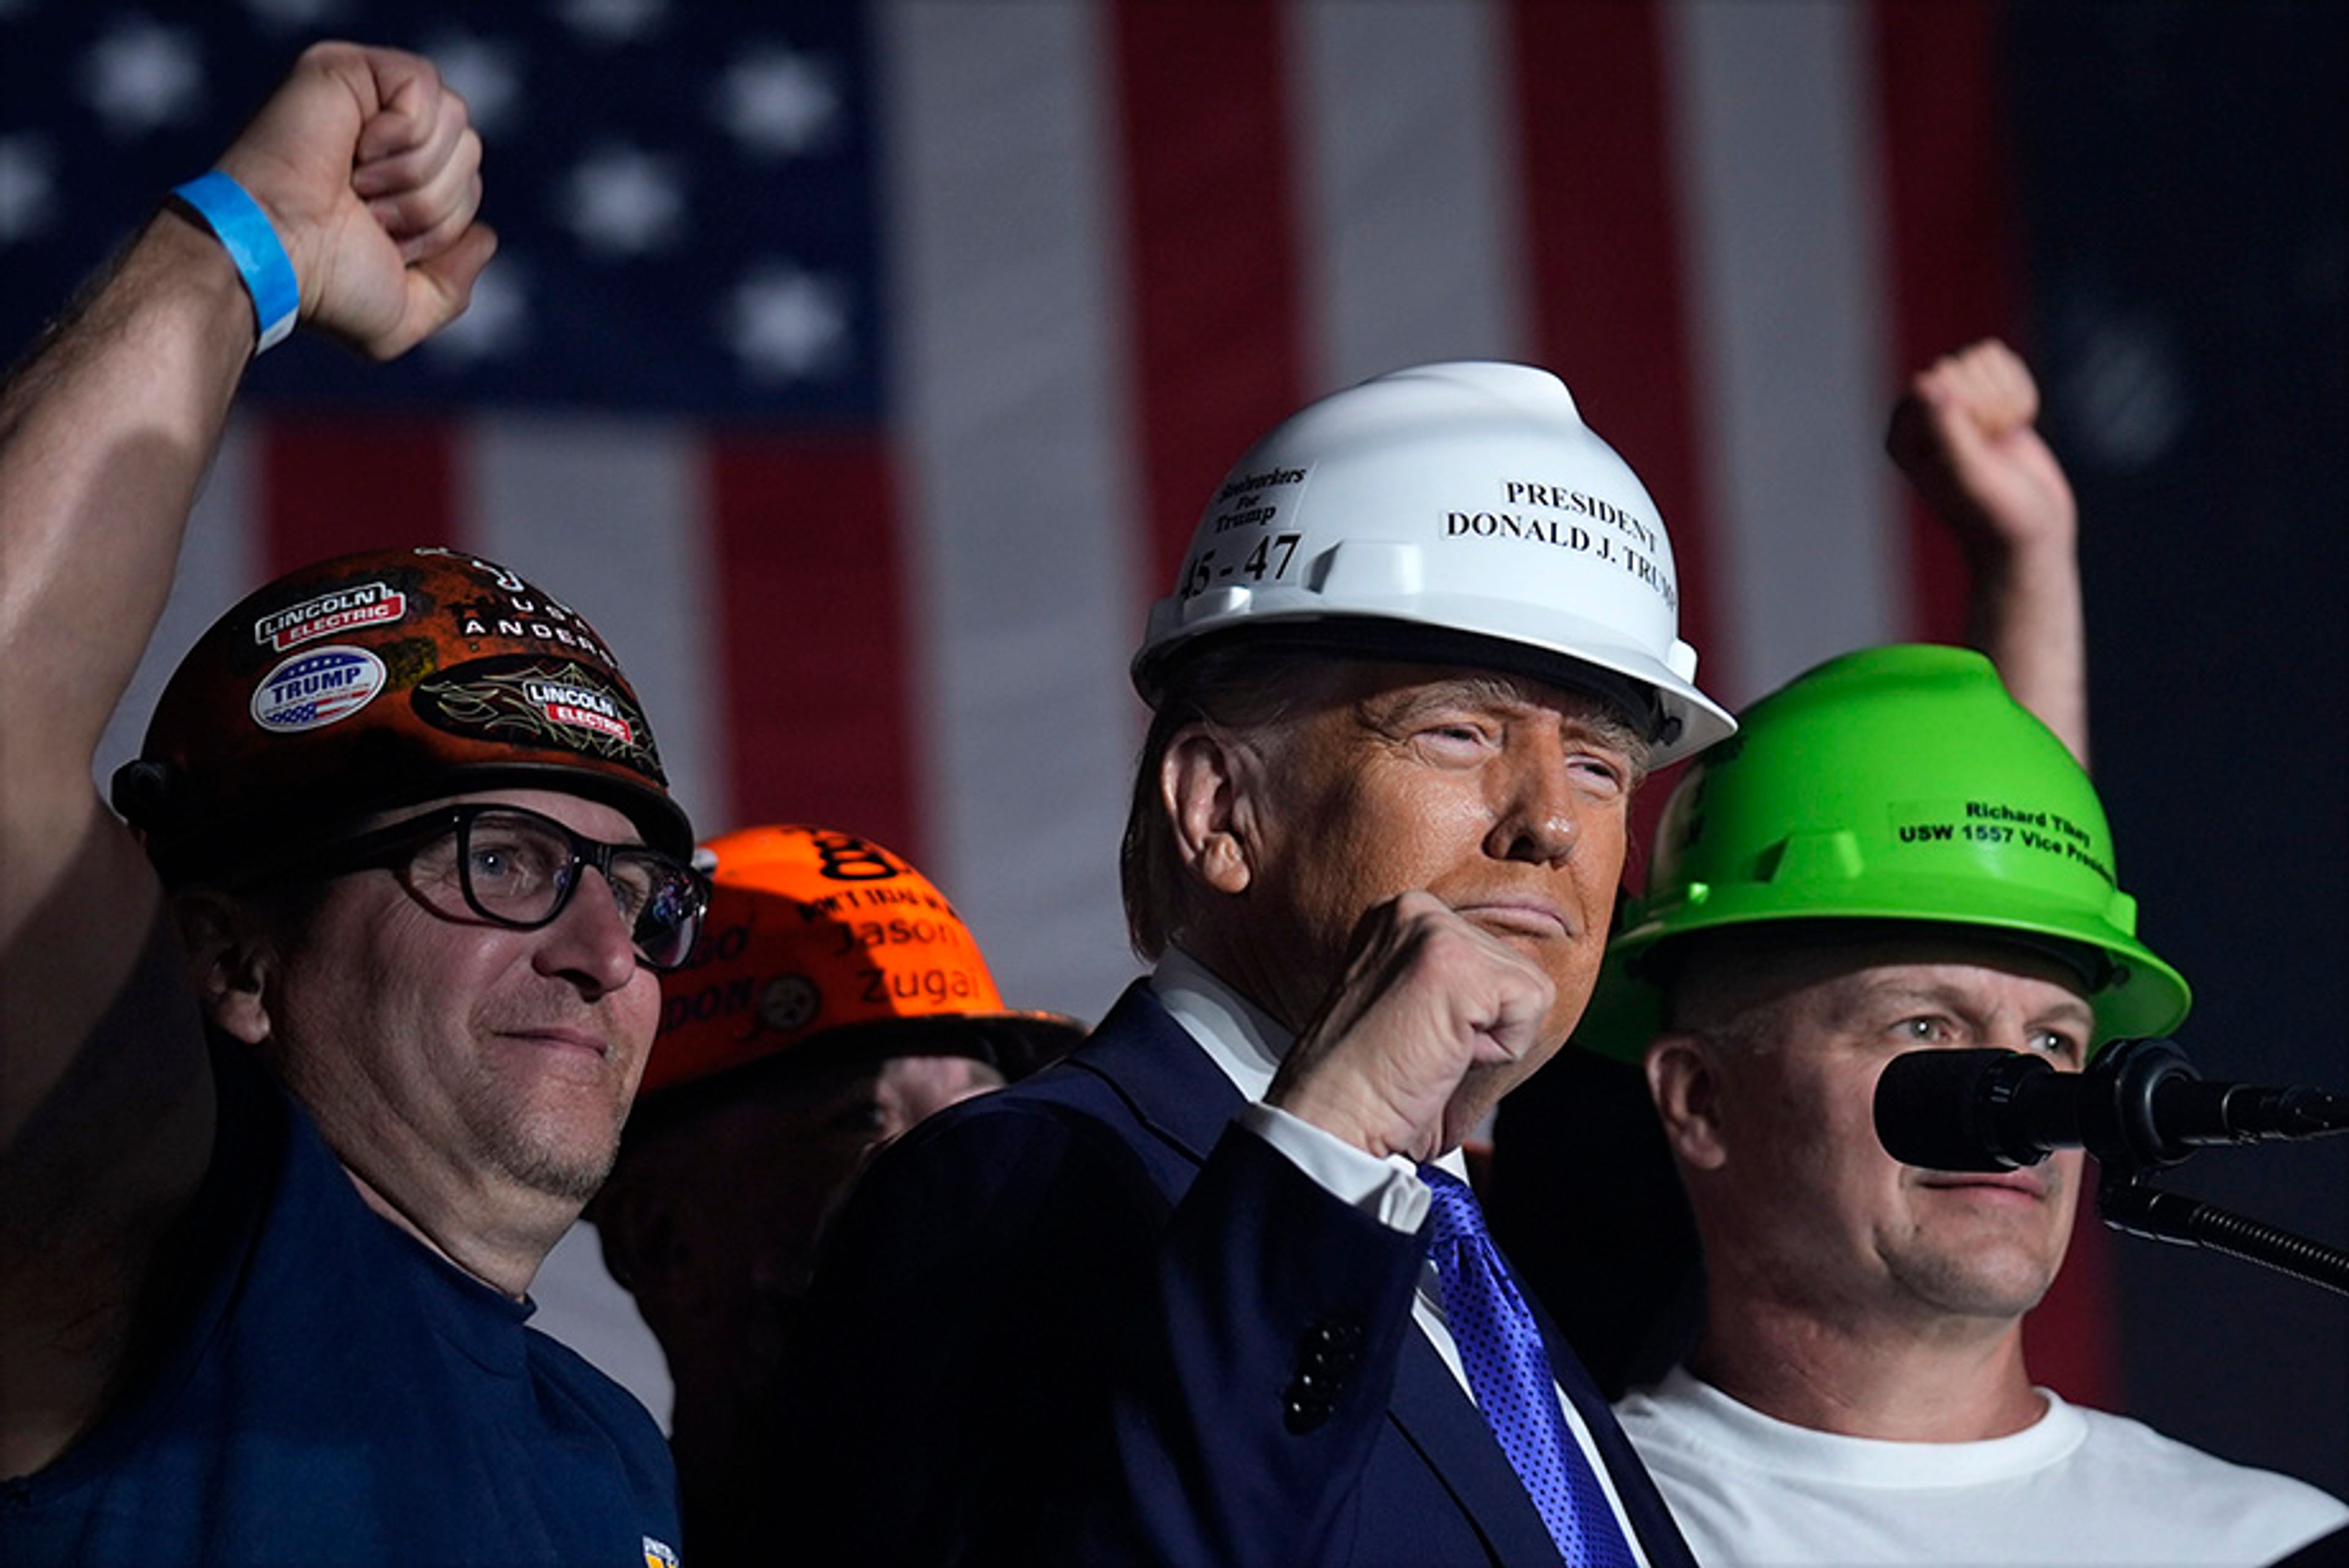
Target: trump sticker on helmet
[314,689]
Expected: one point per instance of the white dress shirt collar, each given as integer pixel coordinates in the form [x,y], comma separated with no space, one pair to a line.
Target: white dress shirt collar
[1240,1038]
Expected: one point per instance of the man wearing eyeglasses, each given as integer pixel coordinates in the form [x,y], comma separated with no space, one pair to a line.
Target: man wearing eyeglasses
[292,1103]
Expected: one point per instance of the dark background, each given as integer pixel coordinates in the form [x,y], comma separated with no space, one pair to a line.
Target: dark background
[2181,182]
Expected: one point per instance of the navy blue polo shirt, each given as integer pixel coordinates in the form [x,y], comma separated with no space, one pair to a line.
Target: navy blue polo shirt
[324,1388]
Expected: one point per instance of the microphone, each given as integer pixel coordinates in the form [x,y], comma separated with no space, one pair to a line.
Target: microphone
[2140,1104]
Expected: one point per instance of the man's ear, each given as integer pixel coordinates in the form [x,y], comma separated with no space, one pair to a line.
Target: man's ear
[1685,1083]
[1208,782]
[230,962]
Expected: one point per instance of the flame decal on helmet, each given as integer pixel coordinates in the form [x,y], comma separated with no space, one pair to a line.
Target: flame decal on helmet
[539,703]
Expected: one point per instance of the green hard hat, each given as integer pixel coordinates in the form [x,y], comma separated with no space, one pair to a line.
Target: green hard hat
[1894,784]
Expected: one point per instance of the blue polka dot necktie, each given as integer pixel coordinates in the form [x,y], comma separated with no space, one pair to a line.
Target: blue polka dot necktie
[1508,1371]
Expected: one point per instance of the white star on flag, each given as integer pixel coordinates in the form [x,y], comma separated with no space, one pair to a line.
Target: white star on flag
[496,326]
[613,21]
[294,16]
[142,77]
[625,201]
[28,186]
[484,74]
[786,323]
[778,103]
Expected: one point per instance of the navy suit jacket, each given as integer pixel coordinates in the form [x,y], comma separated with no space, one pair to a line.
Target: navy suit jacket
[1082,1321]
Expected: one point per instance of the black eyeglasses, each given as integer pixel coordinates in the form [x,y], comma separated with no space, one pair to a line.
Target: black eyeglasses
[519,868]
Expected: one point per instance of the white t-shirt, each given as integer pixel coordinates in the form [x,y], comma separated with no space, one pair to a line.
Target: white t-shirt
[2077,1488]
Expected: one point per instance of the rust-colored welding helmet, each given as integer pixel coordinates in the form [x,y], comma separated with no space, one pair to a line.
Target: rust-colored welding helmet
[374,681]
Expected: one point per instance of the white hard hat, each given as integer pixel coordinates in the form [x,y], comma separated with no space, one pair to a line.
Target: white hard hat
[1456,514]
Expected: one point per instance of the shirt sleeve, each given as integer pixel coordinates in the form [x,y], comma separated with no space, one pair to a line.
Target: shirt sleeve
[1387,1188]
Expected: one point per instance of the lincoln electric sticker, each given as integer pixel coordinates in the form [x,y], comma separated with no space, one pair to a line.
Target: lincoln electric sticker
[582,707]
[360,604]
[539,702]
[316,689]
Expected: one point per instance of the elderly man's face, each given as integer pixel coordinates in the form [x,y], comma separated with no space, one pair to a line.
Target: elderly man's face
[1795,1195]
[1503,796]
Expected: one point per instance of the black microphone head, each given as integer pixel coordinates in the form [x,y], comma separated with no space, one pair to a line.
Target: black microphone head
[1934,1108]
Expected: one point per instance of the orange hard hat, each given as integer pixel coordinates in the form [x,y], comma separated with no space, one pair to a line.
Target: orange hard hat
[378,680]
[814,931]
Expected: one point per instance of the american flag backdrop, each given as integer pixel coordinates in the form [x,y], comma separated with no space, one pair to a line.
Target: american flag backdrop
[859,369]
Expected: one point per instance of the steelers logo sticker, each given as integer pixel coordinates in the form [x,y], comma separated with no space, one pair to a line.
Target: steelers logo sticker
[790,1002]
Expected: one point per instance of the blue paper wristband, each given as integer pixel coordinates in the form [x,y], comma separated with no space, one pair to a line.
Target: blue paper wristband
[244,231]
